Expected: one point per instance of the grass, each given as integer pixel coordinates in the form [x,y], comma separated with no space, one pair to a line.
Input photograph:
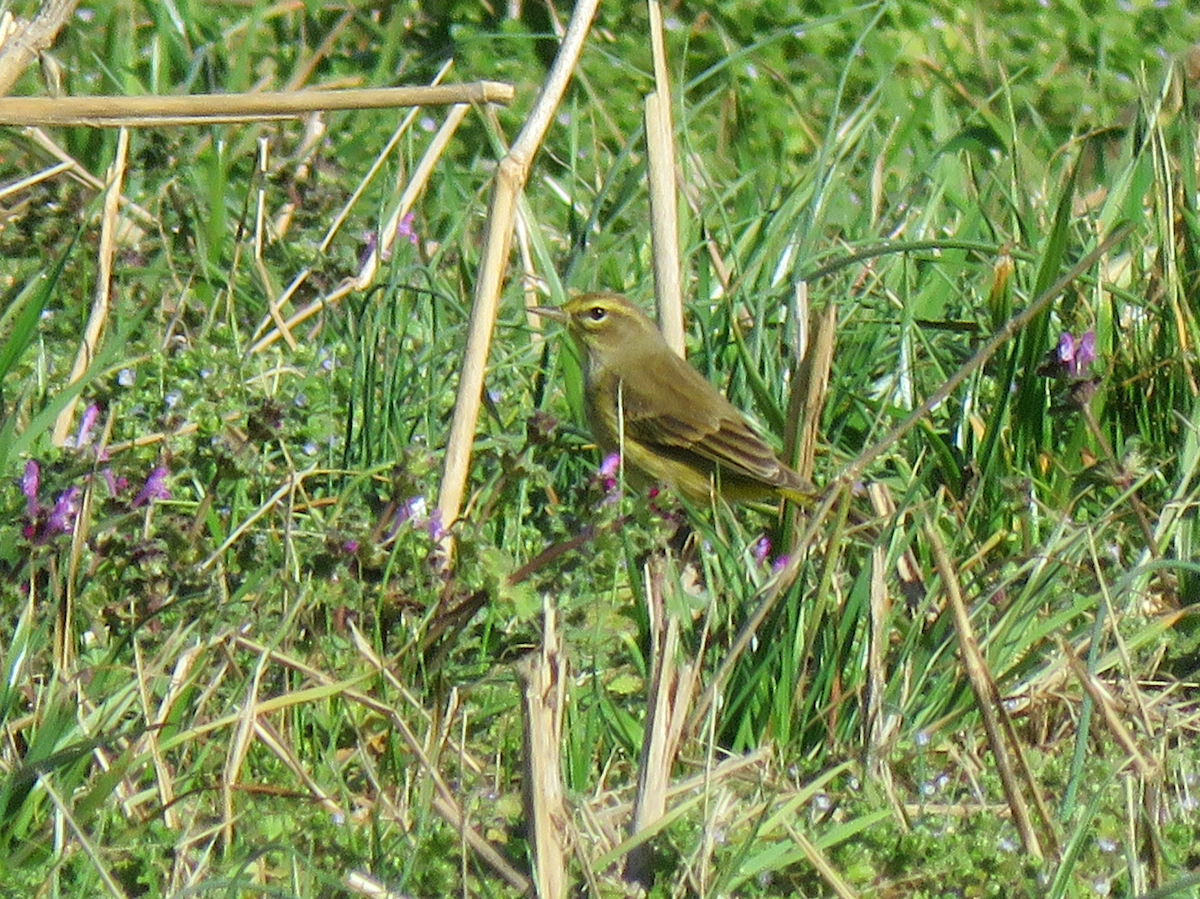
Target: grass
[255,677]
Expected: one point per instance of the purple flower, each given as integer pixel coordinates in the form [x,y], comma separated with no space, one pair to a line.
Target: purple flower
[762,549]
[1075,358]
[606,476]
[1085,353]
[350,547]
[90,415]
[156,487]
[405,229]
[115,484]
[779,564]
[413,507]
[30,481]
[610,466]
[1066,348]
[372,242]
[62,516]
[434,525]
[415,510]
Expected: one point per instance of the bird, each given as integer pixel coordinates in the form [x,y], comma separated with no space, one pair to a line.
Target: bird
[667,422]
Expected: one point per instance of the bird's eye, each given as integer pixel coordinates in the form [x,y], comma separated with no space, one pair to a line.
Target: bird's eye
[597,313]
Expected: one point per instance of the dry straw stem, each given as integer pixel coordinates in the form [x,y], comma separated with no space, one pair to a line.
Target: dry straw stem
[17,187]
[98,859]
[989,701]
[260,268]
[764,805]
[287,488]
[1010,329]
[420,178]
[430,156]
[360,884]
[307,65]
[178,690]
[76,170]
[664,207]
[1107,703]
[64,622]
[218,108]
[606,817]
[232,108]
[877,729]
[810,387]
[543,676]
[444,802]
[228,418]
[109,224]
[511,176]
[239,748]
[207,109]
[672,687]
[821,863]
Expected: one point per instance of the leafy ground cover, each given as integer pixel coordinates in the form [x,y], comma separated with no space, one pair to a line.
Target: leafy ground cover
[233,661]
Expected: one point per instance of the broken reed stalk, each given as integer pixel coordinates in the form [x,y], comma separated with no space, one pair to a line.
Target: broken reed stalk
[671,688]
[30,38]
[664,206]
[543,677]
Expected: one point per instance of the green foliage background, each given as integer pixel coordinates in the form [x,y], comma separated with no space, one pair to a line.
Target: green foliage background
[211,691]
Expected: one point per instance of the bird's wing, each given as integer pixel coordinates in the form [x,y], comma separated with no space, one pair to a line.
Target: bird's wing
[690,417]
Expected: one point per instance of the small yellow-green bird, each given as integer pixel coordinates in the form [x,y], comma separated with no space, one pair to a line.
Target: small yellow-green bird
[668,422]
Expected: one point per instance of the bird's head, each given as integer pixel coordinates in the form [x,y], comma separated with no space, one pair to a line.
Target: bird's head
[605,326]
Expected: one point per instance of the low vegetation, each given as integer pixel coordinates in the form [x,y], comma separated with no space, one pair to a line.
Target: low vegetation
[236,657]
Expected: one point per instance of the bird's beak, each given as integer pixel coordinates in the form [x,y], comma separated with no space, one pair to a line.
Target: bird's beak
[554,313]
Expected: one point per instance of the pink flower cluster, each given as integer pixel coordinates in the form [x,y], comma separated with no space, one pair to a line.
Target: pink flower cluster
[45,520]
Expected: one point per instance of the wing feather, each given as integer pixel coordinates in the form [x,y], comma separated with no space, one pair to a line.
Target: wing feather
[692,421]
